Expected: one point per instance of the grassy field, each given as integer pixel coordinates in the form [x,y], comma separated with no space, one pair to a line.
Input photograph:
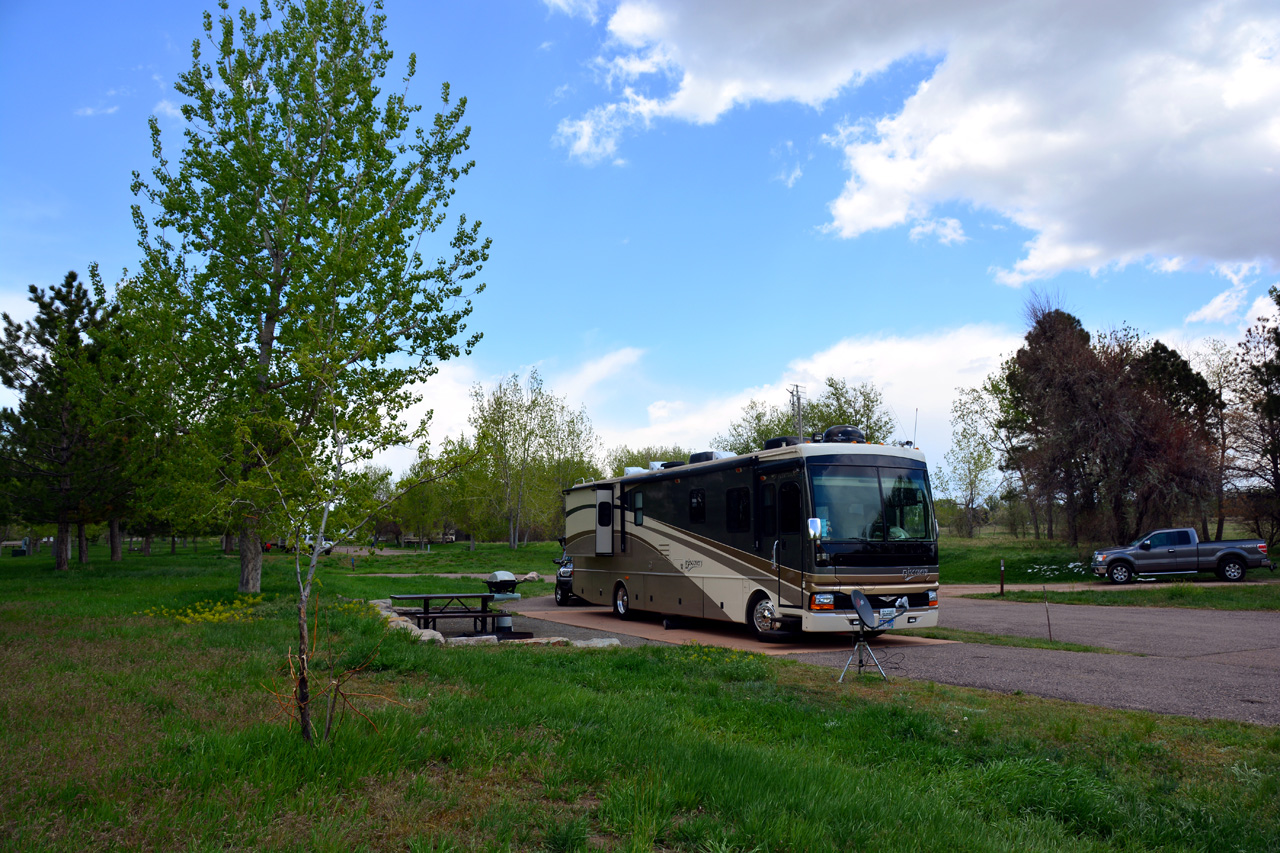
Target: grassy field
[136,715]
[1244,596]
[962,561]
[962,636]
[456,557]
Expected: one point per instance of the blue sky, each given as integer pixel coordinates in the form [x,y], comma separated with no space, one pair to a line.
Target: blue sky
[696,203]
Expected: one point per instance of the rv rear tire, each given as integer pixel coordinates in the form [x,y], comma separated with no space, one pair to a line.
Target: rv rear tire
[621,602]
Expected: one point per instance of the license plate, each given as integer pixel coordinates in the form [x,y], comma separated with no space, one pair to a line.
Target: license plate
[887,613]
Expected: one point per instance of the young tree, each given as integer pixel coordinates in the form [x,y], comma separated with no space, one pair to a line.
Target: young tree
[287,247]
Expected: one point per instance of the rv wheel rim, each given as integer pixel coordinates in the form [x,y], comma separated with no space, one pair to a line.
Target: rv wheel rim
[762,615]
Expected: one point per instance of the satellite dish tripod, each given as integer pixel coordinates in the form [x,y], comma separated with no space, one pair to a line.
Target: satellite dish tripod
[866,615]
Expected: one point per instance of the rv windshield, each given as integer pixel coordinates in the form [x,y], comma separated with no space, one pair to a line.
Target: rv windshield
[872,504]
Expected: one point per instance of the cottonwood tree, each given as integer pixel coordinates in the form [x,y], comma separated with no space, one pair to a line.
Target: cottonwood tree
[532,446]
[861,406]
[290,247]
[622,457]
[1217,362]
[970,474]
[1257,464]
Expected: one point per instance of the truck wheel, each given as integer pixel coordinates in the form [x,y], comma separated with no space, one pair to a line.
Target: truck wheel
[562,597]
[621,602]
[1232,570]
[760,616]
[1120,573]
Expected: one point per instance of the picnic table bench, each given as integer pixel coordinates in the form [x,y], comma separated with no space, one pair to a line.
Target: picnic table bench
[454,605]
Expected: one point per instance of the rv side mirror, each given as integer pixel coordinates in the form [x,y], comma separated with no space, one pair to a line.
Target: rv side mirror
[1146,546]
[561,541]
[815,529]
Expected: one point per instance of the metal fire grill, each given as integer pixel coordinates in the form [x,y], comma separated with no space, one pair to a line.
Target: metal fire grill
[503,586]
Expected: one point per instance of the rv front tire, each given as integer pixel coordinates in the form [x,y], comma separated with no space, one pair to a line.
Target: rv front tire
[760,616]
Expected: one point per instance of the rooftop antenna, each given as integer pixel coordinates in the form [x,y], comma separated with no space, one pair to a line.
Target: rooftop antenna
[916,429]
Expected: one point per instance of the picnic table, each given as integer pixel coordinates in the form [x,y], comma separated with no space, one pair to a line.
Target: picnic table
[455,605]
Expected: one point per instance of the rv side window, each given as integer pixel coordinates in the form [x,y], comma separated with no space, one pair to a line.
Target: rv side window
[790,509]
[768,511]
[637,506]
[604,514]
[697,506]
[738,510]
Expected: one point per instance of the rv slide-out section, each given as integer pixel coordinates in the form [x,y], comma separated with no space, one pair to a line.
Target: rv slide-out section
[730,539]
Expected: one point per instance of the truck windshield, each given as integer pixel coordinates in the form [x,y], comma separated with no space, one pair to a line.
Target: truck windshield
[872,504]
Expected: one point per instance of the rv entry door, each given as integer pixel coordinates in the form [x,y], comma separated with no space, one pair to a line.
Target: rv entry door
[604,522]
[780,521]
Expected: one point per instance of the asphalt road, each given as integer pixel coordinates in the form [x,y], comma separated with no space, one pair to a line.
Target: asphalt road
[1197,663]
[1209,664]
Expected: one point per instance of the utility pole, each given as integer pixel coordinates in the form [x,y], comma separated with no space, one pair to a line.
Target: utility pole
[797,408]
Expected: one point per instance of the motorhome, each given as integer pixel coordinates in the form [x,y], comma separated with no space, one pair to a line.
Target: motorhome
[777,539]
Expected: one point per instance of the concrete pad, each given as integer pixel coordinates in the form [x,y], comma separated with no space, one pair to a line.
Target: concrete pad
[703,631]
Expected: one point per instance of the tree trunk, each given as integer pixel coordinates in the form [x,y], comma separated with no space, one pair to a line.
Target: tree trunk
[471,539]
[146,544]
[62,546]
[117,544]
[82,544]
[173,544]
[226,543]
[250,559]
[304,644]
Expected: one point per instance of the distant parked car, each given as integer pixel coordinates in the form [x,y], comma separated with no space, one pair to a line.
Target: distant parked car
[1179,551]
[325,546]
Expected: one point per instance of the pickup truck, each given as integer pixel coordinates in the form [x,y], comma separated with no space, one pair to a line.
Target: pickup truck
[1179,551]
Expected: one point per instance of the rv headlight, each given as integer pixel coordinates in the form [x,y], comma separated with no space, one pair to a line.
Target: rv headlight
[822,601]
[933,598]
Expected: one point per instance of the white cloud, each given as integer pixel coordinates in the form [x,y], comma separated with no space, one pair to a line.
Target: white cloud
[1263,308]
[921,371]
[97,111]
[1221,308]
[1116,133]
[579,385]
[167,108]
[575,8]
[790,178]
[947,230]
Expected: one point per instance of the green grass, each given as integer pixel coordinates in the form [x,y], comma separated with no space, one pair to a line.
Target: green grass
[456,557]
[966,561]
[962,636]
[126,731]
[1244,596]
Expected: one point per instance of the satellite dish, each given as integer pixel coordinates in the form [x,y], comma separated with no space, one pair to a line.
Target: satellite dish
[866,615]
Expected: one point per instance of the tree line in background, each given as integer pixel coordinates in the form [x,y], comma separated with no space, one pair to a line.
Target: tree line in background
[1103,437]
[164,459]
